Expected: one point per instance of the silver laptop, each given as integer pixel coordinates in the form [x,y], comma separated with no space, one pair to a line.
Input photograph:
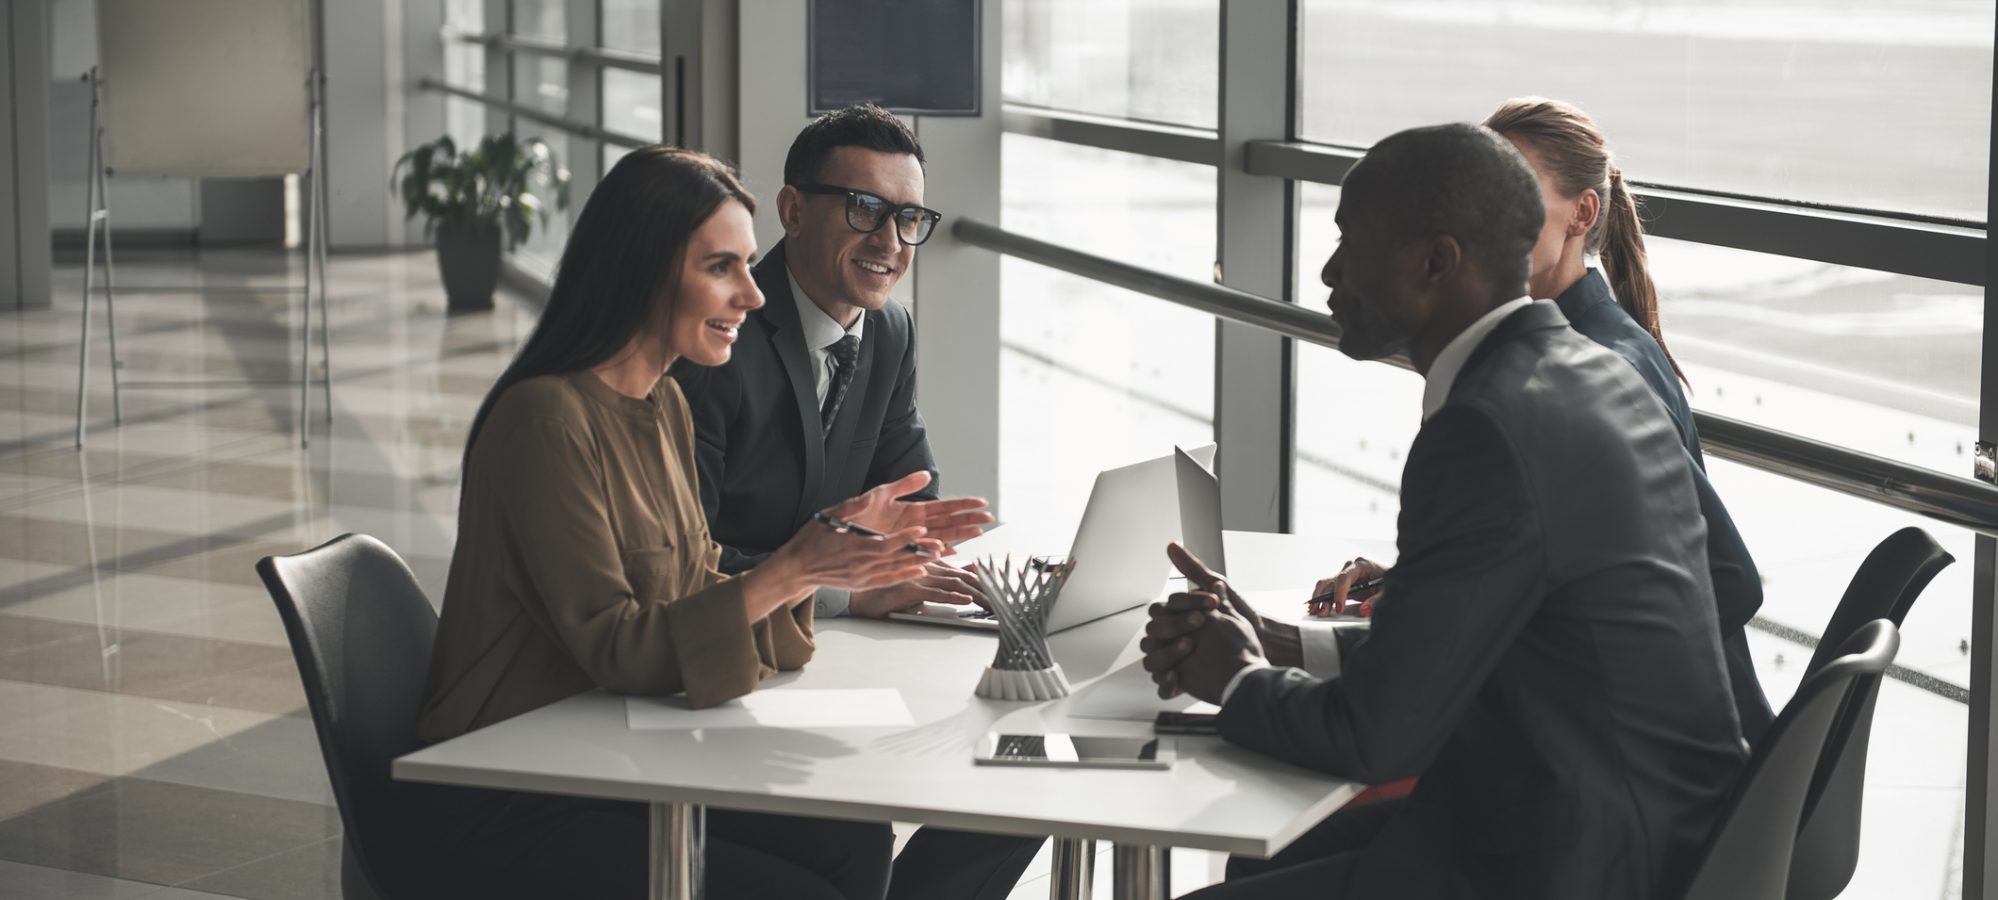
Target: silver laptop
[1119,549]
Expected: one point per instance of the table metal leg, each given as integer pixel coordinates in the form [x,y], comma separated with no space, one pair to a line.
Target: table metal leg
[677,846]
[1073,870]
[1140,872]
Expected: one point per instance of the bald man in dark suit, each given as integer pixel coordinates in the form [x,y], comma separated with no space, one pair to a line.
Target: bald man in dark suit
[1545,653]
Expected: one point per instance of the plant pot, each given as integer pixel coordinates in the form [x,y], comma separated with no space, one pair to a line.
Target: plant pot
[468,258]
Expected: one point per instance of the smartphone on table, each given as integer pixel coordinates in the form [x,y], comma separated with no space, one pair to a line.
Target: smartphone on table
[1074,750]
[1185,723]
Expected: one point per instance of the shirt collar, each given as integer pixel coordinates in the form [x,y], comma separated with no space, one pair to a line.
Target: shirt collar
[1443,372]
[821,330]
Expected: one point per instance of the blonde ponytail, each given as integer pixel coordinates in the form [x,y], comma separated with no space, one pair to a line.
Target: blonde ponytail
[1621,239]
[1578,159]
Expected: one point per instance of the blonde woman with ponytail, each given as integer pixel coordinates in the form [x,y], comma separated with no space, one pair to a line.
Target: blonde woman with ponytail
[1592,215]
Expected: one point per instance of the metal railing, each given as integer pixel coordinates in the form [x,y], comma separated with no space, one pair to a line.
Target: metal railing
[596,56]
[1961,502]
[530,113]
[1905,244]
[1190,145]
[1938,247]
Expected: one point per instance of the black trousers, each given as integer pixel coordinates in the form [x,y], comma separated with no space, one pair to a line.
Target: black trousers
[516,845]
[1316,865]
[940,864]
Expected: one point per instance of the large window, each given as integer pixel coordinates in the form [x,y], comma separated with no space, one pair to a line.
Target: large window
[1354,420]
[542,82]
[1881,105]
[464,67]
[585,78]
[1887,364]
[572,89]
[1153,60]
[1850,103]
[632,104]
[540,18]
[543,248]
[1093,376]
[631,25]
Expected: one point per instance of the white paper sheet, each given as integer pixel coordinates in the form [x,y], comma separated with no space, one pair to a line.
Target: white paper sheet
[798,708]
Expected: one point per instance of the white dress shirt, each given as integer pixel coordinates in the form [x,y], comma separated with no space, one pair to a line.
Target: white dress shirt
[821,333]
[1319,639]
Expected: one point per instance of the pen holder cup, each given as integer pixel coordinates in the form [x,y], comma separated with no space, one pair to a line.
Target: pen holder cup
[1023,668]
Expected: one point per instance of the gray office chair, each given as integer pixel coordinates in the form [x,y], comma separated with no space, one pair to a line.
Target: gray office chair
[361,631]
[1885,587]
[1747,854]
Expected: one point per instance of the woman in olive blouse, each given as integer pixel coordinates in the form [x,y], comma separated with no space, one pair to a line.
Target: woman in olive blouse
[584,561]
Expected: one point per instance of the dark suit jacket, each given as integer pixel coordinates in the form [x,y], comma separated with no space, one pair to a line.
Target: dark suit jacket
[765,463]
[1547,658]
[1594,312]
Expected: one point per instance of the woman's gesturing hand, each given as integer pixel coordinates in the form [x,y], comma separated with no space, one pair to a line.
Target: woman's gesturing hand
[948,521]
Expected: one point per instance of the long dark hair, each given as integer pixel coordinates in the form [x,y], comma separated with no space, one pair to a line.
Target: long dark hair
[618,272]
[1579,158]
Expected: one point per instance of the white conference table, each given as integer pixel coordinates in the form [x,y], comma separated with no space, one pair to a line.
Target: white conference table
[1217,797]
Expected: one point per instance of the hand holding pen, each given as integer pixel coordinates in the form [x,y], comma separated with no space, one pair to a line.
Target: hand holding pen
[1359,580]
[844,527]
[883,511]
[835,549]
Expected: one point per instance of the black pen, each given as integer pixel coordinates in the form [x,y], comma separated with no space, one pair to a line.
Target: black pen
[839,524]
[1358,586]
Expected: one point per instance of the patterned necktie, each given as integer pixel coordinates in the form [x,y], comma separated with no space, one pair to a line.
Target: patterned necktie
[844,354]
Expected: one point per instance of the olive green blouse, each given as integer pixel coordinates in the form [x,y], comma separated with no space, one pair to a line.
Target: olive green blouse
[583,560]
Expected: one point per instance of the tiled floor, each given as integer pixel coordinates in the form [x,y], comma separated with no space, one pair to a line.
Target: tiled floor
[156,742]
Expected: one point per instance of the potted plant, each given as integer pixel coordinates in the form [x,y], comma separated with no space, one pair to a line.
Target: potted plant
[468,198]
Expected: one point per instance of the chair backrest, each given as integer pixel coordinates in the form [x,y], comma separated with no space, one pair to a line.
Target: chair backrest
[361,632]
[1747,855]
[1885,587]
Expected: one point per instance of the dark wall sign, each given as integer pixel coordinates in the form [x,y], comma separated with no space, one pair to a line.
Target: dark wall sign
[912,57]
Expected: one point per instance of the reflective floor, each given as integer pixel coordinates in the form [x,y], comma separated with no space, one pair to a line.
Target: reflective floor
[156,742]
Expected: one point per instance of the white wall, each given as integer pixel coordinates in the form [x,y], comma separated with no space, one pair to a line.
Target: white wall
[954,288]
[771,51]
[358,124]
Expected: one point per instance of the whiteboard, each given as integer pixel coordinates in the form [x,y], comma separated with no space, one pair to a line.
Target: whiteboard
[205,87]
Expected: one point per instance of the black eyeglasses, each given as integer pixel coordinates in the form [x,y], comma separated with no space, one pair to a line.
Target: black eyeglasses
[865,212]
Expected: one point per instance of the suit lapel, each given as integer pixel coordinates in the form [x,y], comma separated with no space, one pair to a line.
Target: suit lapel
[787,339]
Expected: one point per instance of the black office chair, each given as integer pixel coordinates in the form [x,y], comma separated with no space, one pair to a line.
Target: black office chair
[1747,854]
[1885,587]
[361,631]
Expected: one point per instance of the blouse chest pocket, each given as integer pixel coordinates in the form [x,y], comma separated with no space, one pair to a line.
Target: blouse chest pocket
[655,573]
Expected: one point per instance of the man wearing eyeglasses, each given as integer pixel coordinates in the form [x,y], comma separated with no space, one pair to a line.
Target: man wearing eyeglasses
[818,403]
